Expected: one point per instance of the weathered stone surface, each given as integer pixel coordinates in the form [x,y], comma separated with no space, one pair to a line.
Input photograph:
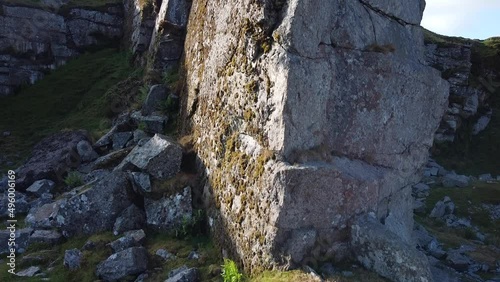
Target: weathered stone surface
[29,272]
[167,41]
[157,94]
[138,235]
[337,93]
[381,250]
[154,123]
[183,274]
[131,261]
[169,212]
[458,261]
[481,123]
[455,180]
[140,182]
[93,208]
[123,243]
[110,160]
[72,259]
[40,187]
[131,218]
[22,205]
[86,152]
[442,208]
[140,21]
[51,158]
[165,255]
[160,157]
[21,238]
[50,237]
[120,139]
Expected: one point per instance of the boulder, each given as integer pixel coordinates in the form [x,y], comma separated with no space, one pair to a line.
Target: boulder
[50,237]
[29,272]
[22,205]
[110,160]
[380,250]
[421,190]
[153,123]
[183,274]
[86,151]
[22,240]
[72,259]
[45,198]
[51,159]
[131,218]
[138,235]
[160,157]
[140,182]
[132,261]
[485,177]
[92,208]
[458,261]
[168,213]
[481,124]
[123,243]
[41,186]
[120,139]
[193,255]
[442,208]
[165,255]
[157,94]
[138,135]
[455,180]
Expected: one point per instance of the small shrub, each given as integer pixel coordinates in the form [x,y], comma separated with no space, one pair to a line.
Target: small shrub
[143,93]
[171,78]
[385,49]
[192,226]
[230,271]
[74,179]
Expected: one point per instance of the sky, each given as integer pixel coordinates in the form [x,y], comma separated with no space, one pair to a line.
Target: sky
[475,19]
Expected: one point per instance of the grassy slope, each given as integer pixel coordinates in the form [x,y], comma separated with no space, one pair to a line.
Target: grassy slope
[71,97]
[474,154]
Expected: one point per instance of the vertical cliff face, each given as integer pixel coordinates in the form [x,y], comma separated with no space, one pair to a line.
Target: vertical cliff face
[306,116]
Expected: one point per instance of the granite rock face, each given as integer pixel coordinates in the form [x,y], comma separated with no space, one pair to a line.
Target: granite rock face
[305,111]
[36,40]
[466,100]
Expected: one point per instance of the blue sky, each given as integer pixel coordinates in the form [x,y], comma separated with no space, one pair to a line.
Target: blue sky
[476,19]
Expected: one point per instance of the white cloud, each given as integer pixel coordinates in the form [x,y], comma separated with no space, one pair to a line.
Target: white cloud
[454,17]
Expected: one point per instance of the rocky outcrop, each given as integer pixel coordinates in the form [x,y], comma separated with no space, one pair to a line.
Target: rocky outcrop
[127,262]
[157,32]
[88,209]
[468,94]
[51,158]
[306,115]
[36,40]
